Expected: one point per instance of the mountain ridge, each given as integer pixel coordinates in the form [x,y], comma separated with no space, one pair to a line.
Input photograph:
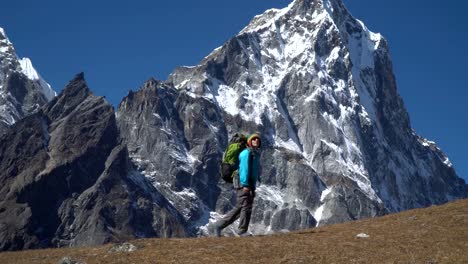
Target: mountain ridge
[22,89]
[374,111]
[315,82]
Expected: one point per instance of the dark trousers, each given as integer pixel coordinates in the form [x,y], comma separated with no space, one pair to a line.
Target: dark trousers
[243,210]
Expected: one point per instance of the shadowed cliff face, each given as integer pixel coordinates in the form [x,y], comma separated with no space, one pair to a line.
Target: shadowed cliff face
[19,97]
[175,140]
[66,179]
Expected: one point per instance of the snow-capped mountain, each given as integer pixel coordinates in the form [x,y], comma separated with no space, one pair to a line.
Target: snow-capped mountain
[22,89]
[320,88]
[337,143]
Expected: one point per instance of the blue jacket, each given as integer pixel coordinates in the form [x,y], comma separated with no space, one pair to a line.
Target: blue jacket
[248,176]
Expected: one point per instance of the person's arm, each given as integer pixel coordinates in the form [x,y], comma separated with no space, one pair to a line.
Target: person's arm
[244,168]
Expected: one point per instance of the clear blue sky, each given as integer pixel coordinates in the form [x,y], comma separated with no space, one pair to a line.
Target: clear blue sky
[120,44]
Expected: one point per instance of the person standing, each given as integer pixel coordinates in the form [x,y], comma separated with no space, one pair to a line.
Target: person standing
[244,182]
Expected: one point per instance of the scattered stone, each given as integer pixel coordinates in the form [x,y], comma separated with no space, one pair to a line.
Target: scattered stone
[69,260]
[362,235]
[413,217]
[124,247]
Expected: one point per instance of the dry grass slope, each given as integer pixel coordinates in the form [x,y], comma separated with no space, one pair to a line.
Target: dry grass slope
[438,234]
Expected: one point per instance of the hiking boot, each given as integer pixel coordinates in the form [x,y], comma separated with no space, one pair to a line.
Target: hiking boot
[241,233]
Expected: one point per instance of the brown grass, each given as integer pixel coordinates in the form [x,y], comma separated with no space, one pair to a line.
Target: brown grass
[438,234]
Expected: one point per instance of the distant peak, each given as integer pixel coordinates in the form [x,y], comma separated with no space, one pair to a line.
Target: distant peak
[71,96]
[301,7]
[4,41]
[295,8]
[312,3]
[78,83]
[30,72]
[28,69]
[79,77]
[305,2]
[3,35]
[151,83]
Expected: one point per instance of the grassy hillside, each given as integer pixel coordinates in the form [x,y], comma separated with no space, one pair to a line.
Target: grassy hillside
[438,234]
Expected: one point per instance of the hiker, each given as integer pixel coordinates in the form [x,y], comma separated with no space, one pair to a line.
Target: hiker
[244,182]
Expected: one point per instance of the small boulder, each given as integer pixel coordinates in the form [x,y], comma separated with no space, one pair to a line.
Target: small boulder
[124,247]
[69,260]
[362,235]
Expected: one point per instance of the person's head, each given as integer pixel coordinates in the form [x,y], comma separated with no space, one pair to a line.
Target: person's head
[254,141]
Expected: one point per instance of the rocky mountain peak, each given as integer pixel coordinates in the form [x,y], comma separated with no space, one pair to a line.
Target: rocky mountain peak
[304,7]
[152,90]
[320,88]
[22,89]
[76,87]
[314,81]
[299,11]
[72,148]
[71,96]
[151,83]
[8,59]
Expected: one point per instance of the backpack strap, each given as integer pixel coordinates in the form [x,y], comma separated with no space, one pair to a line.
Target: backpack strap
[251,155]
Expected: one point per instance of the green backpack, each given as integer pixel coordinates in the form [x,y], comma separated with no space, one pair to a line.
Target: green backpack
[230,162]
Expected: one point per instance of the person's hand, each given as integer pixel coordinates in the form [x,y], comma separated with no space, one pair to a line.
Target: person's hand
[246,189]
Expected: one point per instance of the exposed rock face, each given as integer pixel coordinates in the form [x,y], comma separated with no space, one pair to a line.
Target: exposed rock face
[319,87]
[22,90]
[66,179]
[337,143]
[174,140]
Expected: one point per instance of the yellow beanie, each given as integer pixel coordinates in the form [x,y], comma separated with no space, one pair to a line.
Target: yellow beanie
[249,140]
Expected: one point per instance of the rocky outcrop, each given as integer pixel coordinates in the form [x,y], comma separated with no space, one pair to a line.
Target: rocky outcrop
[319,87]
[175,140]
[66,179]
[22,90]
[337,143]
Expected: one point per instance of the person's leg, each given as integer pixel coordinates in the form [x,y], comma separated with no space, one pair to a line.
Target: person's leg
[232,215]
[246,200]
